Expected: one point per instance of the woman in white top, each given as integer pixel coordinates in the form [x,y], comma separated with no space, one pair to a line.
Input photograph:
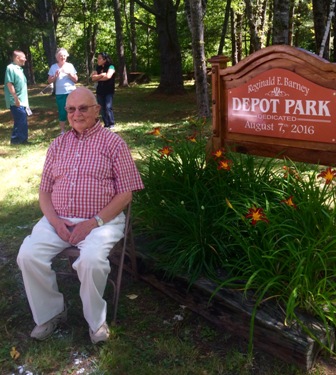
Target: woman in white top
[64,76]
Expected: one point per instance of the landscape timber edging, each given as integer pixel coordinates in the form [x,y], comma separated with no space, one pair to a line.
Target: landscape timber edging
[231,311]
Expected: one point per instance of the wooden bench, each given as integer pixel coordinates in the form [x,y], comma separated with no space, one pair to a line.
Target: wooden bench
[138,77]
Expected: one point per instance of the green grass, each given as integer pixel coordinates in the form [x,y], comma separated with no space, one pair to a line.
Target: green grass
[148,338]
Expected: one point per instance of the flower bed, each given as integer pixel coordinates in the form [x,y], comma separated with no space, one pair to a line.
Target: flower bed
[268,224]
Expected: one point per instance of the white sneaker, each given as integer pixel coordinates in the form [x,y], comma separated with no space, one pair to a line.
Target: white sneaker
[45,330]
[102,334]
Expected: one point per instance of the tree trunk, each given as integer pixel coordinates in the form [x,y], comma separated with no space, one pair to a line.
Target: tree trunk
[134,64]
[46,14]
[270,18]
[234,57]
[239,36]
[90,27]
[171,78]
[262,30]
[122,71]
[93,48]
[195,12]
[251,15]
[225,26]
[28,68]
[281,22]
[320,13]
[291,22]
[327,28]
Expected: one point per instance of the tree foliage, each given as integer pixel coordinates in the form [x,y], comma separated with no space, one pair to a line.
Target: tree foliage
[153,36]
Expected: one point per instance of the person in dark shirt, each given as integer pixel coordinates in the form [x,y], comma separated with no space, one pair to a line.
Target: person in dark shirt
[104,75]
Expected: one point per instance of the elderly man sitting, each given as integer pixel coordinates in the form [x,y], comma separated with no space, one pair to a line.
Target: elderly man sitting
[88,179]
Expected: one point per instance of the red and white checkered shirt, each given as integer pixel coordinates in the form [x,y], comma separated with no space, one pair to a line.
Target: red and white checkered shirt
[83,172]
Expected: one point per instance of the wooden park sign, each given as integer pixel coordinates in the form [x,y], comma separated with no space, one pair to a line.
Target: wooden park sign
[278,102]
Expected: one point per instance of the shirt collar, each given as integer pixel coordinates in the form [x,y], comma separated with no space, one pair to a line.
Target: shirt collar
[88,132]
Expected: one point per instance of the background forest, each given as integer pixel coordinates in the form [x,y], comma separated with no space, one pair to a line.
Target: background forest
[164,38]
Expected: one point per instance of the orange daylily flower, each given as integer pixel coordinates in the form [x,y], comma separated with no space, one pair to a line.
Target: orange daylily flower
[256,214]
[192,138]
[218,153]
[289,202]
[224,164]
[328,174]
[165,151]
[155,131]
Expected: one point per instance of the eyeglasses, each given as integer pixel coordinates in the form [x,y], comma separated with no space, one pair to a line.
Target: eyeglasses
[81,108]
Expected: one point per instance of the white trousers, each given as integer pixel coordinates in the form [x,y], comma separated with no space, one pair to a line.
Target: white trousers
[35,259]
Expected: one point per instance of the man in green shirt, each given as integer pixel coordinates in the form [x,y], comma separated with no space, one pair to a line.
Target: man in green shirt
[16,96]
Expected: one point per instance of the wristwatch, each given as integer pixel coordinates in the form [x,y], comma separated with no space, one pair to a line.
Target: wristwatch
[99,221]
